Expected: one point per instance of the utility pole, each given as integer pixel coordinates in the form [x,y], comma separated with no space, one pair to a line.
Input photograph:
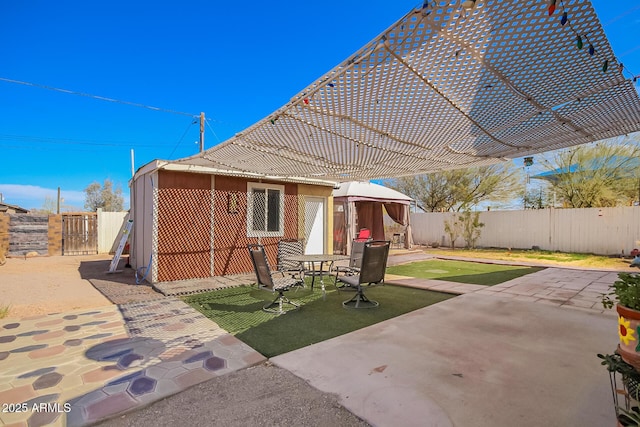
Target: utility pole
[201,132]
[58,204]
[133,171]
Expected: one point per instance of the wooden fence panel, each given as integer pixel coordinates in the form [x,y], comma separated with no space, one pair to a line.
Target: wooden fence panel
[79,234]
[28,233]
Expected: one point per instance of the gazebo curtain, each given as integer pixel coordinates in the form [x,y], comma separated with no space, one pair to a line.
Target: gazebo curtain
[369,216]
[400,214]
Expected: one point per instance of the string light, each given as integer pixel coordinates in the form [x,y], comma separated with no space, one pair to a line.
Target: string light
[552,5]
[565,18]
[579,38]
[469,4]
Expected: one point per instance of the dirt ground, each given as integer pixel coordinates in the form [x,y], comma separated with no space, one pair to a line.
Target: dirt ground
[43,285]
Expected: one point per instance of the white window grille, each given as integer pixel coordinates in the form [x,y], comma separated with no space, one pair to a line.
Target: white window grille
[265,213]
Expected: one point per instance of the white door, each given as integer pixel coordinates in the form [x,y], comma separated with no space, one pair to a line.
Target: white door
[314,232]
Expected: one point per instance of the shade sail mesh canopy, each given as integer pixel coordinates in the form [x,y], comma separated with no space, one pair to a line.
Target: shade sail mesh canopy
[446,88]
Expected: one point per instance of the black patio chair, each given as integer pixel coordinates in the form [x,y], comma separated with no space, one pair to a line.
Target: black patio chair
[372,270]
[397,241]
[355,261]
[287,248]
[266,281]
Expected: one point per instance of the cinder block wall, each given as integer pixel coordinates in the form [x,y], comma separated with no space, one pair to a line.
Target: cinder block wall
[55,235]
[4,233]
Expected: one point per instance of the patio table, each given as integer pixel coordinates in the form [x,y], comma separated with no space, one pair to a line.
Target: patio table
[318,260]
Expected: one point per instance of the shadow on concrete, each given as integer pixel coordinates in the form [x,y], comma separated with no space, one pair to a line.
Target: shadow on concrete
[120,287]
[122,392]
[492,278]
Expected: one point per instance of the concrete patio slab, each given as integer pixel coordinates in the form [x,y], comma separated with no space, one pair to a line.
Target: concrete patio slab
[474,360]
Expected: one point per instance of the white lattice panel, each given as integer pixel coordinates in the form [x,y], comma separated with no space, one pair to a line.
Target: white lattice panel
[446,88]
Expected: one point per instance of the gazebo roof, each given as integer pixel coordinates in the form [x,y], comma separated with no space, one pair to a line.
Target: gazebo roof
[369,191]
[443,88]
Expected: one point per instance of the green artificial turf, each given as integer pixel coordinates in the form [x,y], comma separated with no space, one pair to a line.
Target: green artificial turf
[461,271]
[239,311]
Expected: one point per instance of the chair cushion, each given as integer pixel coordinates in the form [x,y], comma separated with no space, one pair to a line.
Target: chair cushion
[350,280]
[347,270]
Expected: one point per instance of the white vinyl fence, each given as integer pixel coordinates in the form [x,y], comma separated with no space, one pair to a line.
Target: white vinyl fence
[110,226]
[605,231]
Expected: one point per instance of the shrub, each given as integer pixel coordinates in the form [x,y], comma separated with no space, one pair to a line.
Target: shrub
[471,226]
[453,228]
[4,311]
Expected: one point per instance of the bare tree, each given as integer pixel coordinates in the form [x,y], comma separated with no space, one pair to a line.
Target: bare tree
[50,206]
[537,198]
[104,197]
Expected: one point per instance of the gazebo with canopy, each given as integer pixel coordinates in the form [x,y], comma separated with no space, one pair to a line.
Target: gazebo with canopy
[358,205]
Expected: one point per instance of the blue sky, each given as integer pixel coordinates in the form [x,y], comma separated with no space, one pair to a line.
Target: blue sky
[235,61]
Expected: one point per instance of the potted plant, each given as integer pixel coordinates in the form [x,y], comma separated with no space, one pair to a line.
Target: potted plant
[627,412]
[625,295]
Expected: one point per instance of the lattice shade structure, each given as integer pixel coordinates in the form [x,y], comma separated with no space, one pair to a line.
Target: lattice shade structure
[445,88]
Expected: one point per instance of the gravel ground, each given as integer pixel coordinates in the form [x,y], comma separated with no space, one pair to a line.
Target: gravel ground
[263,395]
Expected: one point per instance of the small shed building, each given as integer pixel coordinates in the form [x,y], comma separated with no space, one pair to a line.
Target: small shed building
[195,222]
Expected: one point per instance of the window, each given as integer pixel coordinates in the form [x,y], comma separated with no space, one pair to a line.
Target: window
[265,210]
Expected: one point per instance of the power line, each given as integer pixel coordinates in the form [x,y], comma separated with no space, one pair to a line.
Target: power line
[212,131]
[182,137]
[622,15]
[101,98]
[68,141]
[45,149]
